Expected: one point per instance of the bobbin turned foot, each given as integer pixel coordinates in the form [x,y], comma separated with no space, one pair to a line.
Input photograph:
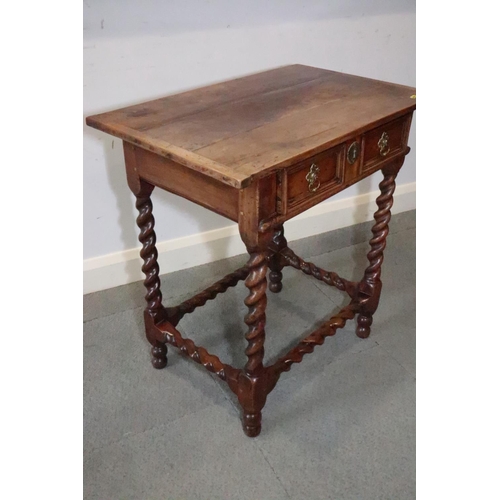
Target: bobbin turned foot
[252,423]
[159,356]
[364,324]
[275,284]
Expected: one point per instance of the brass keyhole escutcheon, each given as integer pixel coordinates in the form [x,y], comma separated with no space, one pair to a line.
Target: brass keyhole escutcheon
[312,178]
[353,152]
[383,144]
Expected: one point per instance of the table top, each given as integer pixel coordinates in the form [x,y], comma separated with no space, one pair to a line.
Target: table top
[245,128]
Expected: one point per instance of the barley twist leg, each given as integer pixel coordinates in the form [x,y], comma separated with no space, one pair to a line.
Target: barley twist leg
[380,230]
[150,268]
[253,393]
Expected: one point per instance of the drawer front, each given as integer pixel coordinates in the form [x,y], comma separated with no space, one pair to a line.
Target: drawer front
[385,141]
[320,176]
[315,177]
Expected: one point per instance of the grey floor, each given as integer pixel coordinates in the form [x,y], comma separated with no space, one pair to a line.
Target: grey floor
[340,425]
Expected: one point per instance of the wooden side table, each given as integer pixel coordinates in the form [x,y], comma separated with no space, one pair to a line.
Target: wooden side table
[261,150]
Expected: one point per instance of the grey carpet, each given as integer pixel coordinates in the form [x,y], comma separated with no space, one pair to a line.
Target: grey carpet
[340,425]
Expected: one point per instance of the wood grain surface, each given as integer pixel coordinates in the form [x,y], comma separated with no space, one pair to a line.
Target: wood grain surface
[246,128]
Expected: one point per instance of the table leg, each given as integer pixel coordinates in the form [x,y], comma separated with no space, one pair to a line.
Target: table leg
[150,268]
[276,261]
[252,384]
[371,285]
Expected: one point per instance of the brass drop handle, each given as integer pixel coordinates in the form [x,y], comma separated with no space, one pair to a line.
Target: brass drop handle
[312,178]
[383,144]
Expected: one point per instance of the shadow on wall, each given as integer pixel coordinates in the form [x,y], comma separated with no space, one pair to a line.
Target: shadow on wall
[114,165]
[117,179]
[106,18]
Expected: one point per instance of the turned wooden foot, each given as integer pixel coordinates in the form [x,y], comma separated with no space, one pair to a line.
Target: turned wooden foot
[252,423]
[159,356]
[275,284]
[364,324]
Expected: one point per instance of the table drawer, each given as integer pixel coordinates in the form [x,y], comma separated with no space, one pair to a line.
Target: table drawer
[315,177]
[384,141]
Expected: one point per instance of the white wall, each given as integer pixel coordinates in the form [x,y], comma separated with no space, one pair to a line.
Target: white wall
[136,51]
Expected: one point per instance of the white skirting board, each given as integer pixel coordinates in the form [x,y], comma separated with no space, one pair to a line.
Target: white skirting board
[121,268]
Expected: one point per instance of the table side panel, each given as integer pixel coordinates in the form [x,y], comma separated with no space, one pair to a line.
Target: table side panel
[190,184]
